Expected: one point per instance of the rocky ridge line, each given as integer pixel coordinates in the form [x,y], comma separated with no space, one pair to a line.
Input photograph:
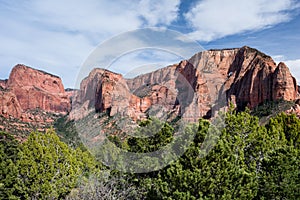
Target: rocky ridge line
[194,88]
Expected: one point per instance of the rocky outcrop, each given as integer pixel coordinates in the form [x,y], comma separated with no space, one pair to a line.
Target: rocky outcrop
[83,102]
[191,89]
[243,76]
[285,85]
[3,84]
[105,91]
[31,100]
[29,90]
[256,79]
[9,105]
[38,89]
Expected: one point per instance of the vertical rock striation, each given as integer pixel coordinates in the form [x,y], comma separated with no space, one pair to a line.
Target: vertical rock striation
[193,88]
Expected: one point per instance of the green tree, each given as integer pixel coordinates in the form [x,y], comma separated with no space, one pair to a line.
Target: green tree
[9,149]
[151,135]
[279,177]
[48,168]
[225,173]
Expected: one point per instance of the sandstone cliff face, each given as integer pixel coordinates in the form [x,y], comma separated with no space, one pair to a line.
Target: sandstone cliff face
[188,95]
[9,105]
[25,76]
[31,100]
[284,85]
[158,91]
[256,79]
[245,76]
[38,89]
[3,84]
[105,91]
[83,102]
[191,89]
[28,89]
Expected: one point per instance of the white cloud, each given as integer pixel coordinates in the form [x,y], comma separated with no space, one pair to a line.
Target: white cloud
[92,16]
[57,36]
[125,52]
[278,58]
[213,19]
[56,52]
[142,61]
[294,66]
[159,12]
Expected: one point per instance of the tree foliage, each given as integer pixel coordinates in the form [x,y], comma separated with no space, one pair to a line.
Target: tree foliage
[159,134]
[9,150]
[248,161]
[48,168]
[43,167]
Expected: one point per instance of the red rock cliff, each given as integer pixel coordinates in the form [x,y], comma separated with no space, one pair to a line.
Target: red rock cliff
[105,91]
[28,89]
[193,88]
[256,78]
[3,84]
[38,89]
[9,105]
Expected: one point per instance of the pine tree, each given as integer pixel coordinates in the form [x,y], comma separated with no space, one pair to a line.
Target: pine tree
[48,168]
[9,149]
[280,167]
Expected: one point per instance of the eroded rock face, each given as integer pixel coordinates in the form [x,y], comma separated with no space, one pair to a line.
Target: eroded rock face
[3,84]
[191,89]
[9,105]
[83,102]
[285,85]
[105,91]
[29,89]
[256,79]
[38,89]
[31,100]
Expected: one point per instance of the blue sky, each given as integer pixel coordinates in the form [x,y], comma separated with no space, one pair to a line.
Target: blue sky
[59,36]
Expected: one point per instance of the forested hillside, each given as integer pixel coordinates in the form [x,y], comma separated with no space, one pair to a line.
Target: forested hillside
[249,161]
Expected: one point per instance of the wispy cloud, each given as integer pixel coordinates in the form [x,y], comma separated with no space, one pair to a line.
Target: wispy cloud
[143,61]
[57,36]
[213,19]
[154,11]
[140,47]
[294,66]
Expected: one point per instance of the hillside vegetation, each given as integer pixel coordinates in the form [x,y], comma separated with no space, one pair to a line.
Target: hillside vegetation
[249,161]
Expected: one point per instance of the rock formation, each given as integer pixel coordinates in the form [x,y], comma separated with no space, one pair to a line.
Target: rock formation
[191,89]
[194,88]
[256,79]
[9,105]
[285,85]
[105,91]
[29,94]
[38,89]
[3,84]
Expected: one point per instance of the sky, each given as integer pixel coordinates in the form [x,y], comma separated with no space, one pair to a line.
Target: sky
[68,38]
